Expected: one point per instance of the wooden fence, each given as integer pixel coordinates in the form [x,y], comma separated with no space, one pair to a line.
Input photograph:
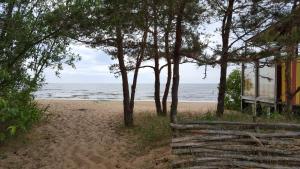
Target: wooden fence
[208,145]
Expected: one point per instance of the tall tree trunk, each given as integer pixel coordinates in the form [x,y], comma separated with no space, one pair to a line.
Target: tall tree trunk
[292,51]
[288,91]
[128,115]
[156,67]
[167,88]
[136,71]
[169,76]
[157,87]
[226,27]
[176,60]
[222,88]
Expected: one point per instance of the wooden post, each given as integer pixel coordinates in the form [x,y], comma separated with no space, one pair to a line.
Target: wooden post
[256,89]
[242,85]
[276,88]
[242,80]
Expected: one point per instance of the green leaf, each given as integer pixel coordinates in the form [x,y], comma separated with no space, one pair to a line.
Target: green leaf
[12,130]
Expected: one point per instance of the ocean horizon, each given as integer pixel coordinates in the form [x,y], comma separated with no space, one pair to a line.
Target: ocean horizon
[188,92]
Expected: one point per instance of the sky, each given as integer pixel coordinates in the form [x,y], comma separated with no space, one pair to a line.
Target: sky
[94,68]
[94,64]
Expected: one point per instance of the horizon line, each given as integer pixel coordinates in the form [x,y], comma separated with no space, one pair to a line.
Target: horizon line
[114,83]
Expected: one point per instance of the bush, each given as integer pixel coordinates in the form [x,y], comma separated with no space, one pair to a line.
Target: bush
[17,114]
[233,91]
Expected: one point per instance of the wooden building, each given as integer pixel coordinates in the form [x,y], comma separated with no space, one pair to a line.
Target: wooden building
[264,79]
[264,85]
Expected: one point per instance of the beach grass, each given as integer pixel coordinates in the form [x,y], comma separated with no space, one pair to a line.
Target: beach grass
[150,131]
[235,116]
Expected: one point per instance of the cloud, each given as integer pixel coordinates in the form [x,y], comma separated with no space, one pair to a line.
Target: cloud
[94,68]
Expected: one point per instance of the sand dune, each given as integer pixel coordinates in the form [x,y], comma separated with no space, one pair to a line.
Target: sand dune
[82,134]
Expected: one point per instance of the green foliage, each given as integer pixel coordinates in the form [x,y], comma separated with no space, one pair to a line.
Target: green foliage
[32,38]
[17,116]
[233,91]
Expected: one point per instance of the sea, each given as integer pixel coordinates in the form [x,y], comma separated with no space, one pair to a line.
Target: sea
[113,92]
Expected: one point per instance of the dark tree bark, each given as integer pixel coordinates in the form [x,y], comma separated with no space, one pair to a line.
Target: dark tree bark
[156,67]
[288,94]
[136,71]
[226,27]
[169,62]
[128,115]
[176,60]
[167,87]
[292,51]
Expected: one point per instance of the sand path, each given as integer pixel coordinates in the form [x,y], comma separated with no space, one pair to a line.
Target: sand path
[83,134]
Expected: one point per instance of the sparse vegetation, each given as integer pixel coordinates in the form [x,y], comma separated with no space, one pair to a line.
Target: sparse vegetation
[150,131]
[235,116]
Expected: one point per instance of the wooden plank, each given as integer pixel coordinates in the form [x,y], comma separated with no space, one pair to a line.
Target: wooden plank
[217,144]
[195,163]
[203,124]
[237,148]
[287,134]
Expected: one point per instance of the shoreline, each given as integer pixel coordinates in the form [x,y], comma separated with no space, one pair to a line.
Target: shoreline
[117,100]
[140,106]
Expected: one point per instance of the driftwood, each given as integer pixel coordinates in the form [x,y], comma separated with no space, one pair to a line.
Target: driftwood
[208,145]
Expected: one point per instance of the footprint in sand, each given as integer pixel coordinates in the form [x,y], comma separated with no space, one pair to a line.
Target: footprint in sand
[87,159]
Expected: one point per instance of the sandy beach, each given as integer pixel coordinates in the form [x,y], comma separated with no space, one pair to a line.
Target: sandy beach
[83,134]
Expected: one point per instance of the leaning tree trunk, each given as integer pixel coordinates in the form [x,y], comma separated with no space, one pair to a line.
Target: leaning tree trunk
[169,62]
[128,115]
[157,88]
[156,71]
[176,60]
[167,88]
[136,71]
[226,27]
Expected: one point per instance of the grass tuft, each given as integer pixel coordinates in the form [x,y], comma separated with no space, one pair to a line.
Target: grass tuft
[235,116]
[150,131]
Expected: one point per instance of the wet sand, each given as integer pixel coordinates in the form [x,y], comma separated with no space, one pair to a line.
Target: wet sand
[85,135]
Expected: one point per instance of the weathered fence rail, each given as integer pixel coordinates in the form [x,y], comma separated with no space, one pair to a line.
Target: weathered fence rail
[208,145]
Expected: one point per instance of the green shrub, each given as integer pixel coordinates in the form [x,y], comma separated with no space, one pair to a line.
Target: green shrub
[17,114]
[233,91]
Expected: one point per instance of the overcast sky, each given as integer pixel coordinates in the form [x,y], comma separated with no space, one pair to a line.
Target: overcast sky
[94,68]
